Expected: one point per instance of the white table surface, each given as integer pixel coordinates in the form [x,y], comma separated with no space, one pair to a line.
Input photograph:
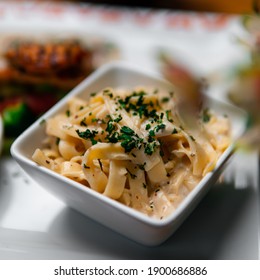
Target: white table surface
[35,225]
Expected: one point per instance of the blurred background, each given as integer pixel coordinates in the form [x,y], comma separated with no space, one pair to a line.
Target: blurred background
[48,47]
[232,6]
[26,87]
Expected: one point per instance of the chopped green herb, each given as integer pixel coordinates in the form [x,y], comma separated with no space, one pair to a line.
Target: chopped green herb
[110,127]
[88,135]
[113,138]
[128,145]
[151,138]
[151,104]
[127,130]
[57,141]
[151,133]
[150,148]
[175,131]
[83,122]
[160,127]
[68,113]
[118,119]
[130,140]
[206,115]
[161,116]
[43,121]
[168,112]
[110,94]
[140,107]
[98,120]
[141,166]
[147,127]
[165,99]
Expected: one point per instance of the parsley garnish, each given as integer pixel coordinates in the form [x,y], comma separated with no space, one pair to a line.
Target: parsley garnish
[150,148]
[83,122]
[206,115]
[57,141]
[110,127]
[147,127]
[160,127]
[165,99]
[151,133]
[168,112]
[141,166]
[140,107]
[43,121]
[88,135]
[113,138]
[127,130]
[108,93]
[98,120]
[175,131]
[136,104]
[118,119]
[130,140]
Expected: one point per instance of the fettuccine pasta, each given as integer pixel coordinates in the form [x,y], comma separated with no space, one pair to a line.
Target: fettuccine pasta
[133,146]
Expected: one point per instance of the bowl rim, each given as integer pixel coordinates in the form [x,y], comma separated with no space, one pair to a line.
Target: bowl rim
[176,214]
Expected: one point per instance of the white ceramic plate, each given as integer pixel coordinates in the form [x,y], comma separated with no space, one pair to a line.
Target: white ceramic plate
[110,213]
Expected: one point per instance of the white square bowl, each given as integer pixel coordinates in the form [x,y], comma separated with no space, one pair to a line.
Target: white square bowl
[118,217]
